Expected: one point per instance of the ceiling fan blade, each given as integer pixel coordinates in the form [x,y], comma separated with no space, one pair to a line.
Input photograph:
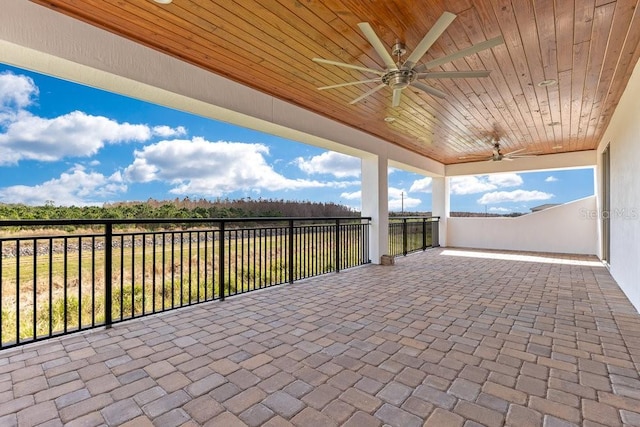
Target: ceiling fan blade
[429,39]
[515,152]
[397,95]
[371,92]
[344,64]
[430,90]
[461,53]
[509,159]
[453,74]
[348,84]
[380,49]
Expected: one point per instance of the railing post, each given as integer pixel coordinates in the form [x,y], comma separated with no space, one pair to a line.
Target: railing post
[404,236]
[337,245]
[291,240]
[424,234]
[435,238]
[108,276]
[221,261]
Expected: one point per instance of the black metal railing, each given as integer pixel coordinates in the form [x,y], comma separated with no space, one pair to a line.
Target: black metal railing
[54,282]
[411,234]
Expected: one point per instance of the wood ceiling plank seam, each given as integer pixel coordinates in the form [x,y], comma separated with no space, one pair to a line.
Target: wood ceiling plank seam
[515,67]
[564,24]
[578,78]
[622,18]
[629,57]
[583,19]
[602,22]
[528,28]
[564,87]
[544,13]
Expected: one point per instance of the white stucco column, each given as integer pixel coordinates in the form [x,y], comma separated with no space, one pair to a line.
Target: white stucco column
[440,201]
[375,195]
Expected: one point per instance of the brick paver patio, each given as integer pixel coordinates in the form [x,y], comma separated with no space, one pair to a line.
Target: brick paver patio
[443,338]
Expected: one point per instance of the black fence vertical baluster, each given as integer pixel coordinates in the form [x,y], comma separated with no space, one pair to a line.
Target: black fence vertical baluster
[121,277]
[79,283]
[221,258]
[204,272]
[35,287]
[50,286]
[337,245]
[235,270]
[143,281]
[108,273]
[65,282]
[291,251]
[18,250]
[153,274]
[189,269]
[93,281]
[173,268]
[164,250]
[133,276]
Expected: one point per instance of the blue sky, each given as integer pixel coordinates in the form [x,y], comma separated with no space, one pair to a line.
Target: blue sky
[69,144]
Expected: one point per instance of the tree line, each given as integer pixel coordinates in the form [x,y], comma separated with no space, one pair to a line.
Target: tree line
[180,208]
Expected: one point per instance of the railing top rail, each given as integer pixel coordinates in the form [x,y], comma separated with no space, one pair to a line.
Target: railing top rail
[103,221]
[391,218]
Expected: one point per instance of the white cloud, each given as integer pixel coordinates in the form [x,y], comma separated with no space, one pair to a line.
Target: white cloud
[330,162]
[495,209]
[550,178]
[505,180]
[16,92]
[477,184]
[513,196]
[77,187]
[205,168]
[356,195]
[470,185]
[71,135]
[421,185]
[169,132]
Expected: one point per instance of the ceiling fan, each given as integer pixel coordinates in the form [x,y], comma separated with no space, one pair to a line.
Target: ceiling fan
[497,154]
[400,74]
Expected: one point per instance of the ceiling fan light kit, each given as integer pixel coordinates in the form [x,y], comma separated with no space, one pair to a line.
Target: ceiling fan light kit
[399,75]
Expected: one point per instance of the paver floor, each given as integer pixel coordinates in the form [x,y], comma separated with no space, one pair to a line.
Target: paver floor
[443,338]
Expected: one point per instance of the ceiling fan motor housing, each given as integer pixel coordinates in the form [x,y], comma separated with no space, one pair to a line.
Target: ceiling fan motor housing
[399,79]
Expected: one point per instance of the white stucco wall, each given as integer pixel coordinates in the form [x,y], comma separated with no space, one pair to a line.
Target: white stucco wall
[623,138]
[570,228]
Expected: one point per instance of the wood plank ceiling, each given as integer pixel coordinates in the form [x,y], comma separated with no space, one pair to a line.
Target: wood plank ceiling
[589,47]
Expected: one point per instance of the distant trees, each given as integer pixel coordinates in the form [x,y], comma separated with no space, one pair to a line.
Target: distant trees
[179,208]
